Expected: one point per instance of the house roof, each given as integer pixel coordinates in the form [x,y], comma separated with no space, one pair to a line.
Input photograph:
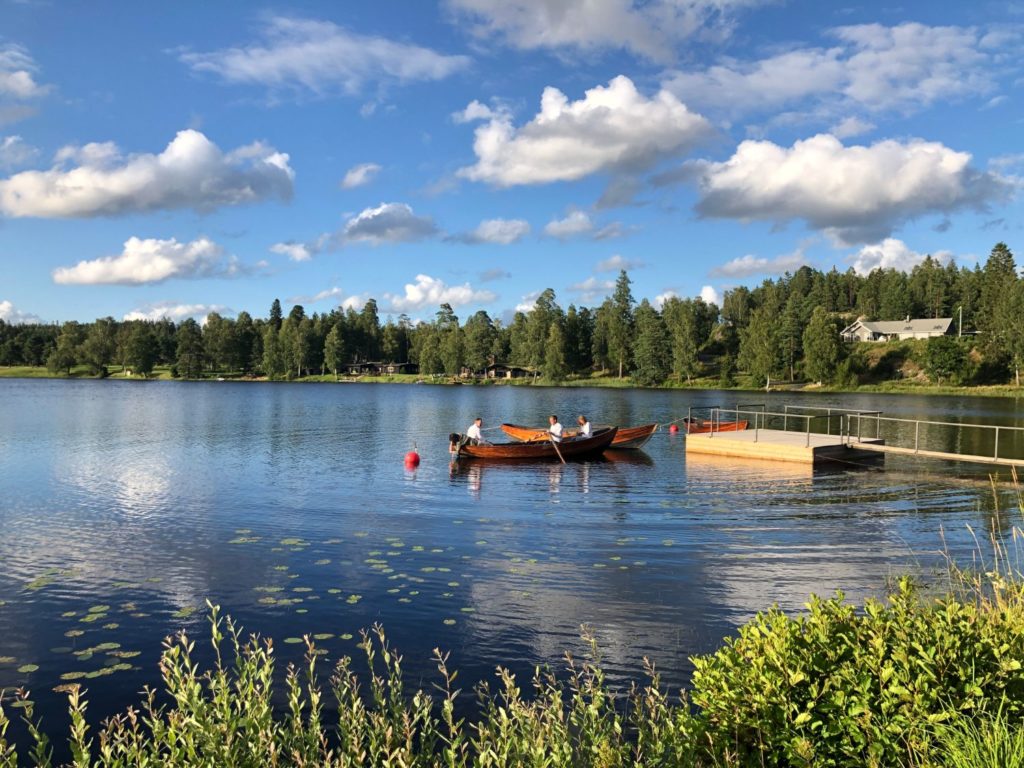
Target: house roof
[890,327]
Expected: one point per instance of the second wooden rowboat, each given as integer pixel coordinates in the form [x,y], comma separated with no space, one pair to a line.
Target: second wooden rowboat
[627,437]
[594,445]
[702,427]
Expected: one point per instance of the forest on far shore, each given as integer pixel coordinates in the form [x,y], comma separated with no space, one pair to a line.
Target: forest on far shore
[785,329]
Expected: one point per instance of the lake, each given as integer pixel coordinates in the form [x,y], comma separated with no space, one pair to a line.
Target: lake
[127,505]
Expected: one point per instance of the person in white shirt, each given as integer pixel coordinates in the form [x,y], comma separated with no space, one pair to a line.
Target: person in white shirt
[473,434]
[555,430]
[584,430]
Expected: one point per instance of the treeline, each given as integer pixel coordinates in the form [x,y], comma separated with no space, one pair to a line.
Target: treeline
[785,328]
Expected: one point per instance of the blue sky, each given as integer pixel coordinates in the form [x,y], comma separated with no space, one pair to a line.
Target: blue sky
[172,159]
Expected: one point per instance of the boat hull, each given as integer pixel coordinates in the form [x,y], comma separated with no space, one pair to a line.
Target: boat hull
[719,426]
[625,438]
[540,450]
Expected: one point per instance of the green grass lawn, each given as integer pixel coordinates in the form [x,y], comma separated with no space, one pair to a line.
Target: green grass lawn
[606,380]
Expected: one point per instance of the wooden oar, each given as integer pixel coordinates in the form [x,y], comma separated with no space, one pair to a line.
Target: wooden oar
[557,449]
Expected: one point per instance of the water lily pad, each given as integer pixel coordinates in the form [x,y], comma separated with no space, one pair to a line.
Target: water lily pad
[245,540]
[73,675]
[449,622]
[323,561]
[293,640]
[184,613]
[346,636]
[99,609]
[323,636]
[28,668]
[74,633]
[353,599]
[68,614]
[6,659]
[111,625]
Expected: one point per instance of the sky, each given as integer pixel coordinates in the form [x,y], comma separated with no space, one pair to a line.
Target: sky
[173,159]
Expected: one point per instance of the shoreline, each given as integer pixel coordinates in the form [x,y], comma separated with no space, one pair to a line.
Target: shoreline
[893,387]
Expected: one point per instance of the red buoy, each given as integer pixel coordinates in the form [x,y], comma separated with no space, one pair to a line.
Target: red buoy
[412,460]
[674,428]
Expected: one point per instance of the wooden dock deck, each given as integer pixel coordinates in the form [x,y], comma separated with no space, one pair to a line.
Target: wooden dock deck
[777,445]
[844,439]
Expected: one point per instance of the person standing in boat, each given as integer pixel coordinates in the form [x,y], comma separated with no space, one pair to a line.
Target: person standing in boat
[555,430]
[584,430]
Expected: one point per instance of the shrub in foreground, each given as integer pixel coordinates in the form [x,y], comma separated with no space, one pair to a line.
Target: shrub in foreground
[915,681]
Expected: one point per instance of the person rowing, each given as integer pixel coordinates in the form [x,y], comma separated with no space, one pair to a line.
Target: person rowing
[555,430]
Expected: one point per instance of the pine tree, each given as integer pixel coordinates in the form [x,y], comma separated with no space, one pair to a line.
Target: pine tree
[651,352]
[189,357]
[620,326]
[275,315]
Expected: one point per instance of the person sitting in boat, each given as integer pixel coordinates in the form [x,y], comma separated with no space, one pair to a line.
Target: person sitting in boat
[555,430]
[584,430]
[474,435]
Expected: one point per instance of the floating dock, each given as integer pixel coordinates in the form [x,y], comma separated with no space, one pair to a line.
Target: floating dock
[815,435]
[777,445]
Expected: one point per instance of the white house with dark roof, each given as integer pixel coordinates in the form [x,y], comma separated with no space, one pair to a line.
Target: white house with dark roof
[891,330]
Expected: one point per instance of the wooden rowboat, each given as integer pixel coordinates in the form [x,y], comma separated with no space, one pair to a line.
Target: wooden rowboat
[702,427]
[627,437]
[569,448]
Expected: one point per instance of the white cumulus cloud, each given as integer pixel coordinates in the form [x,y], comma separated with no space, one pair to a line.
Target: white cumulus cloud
[592,289]
[576,223]
[497,231]
[856,193]
[871,67]
[710,295]
[360,175]
[17,74]
[151,261]
[388,223]
[892,253]
[745,266]
[651,29]
[429,291]
[613,128]
[176,311]
[321,57]
[294,251]
[14,316]
[14,152]
[192,172]
[618,262]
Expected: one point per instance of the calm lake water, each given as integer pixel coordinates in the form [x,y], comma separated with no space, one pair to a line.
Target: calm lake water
[125,506]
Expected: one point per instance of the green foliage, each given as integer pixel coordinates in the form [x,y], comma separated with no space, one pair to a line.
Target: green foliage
[916,681]
[944,358]
[821,346]
[839,687]
[989,741]
[555,368]
[651,349]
